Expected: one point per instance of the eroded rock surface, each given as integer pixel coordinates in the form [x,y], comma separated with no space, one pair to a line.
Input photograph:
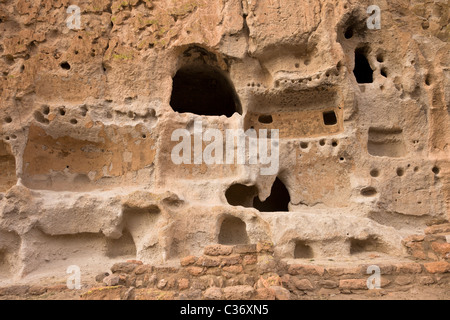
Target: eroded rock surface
[87,117]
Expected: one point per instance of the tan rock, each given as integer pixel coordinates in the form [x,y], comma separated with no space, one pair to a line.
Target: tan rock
[218,250]
[213,293]
[437,267]
[89,119]
[281,293]
[353,284]
[242,292]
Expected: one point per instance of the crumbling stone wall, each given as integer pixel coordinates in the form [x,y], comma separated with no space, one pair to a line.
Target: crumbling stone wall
[87,115]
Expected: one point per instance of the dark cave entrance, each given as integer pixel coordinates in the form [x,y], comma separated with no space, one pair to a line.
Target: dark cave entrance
[204,90]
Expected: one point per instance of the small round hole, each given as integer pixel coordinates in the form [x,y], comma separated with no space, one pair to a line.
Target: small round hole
[322,142]
[8,119]
[348,33]
[334,143]
[73,121]
[400,172]
[374,173]
[266,119]
[62,111]
[380,57]
[304,145]
[65,65]
[436,170]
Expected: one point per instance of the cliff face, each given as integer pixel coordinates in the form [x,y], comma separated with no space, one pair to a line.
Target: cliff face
[88,114]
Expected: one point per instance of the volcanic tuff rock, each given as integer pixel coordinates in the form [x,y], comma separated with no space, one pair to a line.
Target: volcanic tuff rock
[87,116]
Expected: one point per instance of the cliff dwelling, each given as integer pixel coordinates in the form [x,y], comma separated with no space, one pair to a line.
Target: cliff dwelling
[352,120]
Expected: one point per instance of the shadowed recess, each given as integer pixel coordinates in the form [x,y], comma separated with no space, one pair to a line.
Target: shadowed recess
[233,231]
[241,195]
[363,72]
[302,251]
[277,201]
[203,90]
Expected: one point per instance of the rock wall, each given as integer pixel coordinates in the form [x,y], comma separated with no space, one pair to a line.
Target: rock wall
[87,118]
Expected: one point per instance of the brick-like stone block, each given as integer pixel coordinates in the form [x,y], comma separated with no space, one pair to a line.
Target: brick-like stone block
[208,262]
[166,270]
[303,284]
[231,260]
[441,248]
[266,247]
[353,284]
[213,293]
[385,269]
[339,271]
[124,267]
[249,259]
[143,269]
[439,228]
[329,284]
[266,263]
[264,294]
[242,292]
[183,284]
[233,269]
[413,238]
[244,248]
[419,254]
[408,268]
[218,250]
[426,280]
[195,271]
[300,269]
[187,261]
[111,280]
[437,267]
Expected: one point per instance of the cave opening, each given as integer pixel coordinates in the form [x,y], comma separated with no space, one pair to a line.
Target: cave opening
[203,90]
[363,72]
[277,201]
